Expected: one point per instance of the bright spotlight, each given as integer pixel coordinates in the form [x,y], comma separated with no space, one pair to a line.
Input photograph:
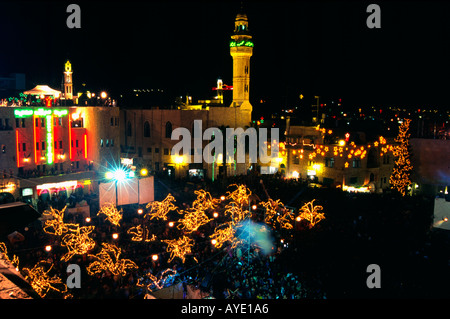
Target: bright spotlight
[120,175]
[144,172]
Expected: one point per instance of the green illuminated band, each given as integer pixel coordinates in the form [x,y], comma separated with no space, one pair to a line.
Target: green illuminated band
[21,113]
[48,120]
[241,43]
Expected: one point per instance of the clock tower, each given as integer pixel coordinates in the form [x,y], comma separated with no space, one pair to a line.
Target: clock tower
[241,49]
[68,85]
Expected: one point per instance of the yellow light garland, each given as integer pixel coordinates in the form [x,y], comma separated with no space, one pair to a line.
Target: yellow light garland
[108,259]
[161,209]
[224,233]
[179,247]
[56,225]
[311,213]
[112,214]
[157,282]
[4,251]
[78,242]
[140,233]
[40,280]
[193,219]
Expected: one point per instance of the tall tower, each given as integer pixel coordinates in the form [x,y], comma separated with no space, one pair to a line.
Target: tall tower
[68,85]
[241,49]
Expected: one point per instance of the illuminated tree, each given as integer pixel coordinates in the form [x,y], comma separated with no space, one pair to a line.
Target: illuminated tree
[400,177]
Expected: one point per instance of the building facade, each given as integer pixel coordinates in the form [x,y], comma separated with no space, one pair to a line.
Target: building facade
[313,154]
[53,148]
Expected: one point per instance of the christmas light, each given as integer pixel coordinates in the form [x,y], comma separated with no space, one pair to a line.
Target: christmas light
[179,247]
[4,251]
[400,177]
[108,259]
[272,207]
[224,233]
[55,225]
[161,209]
[112,214]
[77,242]
[156,283]
[193,219]
[140,233]
[311,213]
[286,218]
[204,201]
[40,280]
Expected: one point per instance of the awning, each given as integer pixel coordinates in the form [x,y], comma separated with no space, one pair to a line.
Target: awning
[43,90]
[14,216]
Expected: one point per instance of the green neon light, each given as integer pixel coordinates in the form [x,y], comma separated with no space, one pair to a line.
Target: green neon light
[23,113]
[42,112]
[60,113]
[242,43]
[19,113]
[48,120]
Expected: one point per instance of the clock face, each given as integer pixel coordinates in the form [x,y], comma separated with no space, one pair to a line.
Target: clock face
[67,79]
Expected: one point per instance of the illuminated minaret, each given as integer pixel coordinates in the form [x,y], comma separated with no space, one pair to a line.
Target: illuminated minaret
[68,85]
[241,49]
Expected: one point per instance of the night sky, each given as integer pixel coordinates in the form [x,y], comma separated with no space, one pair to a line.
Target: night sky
[314,48]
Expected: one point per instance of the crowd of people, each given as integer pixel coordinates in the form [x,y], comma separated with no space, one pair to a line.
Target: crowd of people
[326,261]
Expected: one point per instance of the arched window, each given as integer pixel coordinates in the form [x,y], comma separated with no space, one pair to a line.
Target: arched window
[168,130]
[146,129]
[129,131]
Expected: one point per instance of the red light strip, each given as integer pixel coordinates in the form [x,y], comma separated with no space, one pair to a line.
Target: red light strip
[17,148]
[85,145]
[34,140]
[70,138]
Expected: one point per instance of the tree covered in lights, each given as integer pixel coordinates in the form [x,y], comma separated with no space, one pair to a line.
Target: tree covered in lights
[400,178]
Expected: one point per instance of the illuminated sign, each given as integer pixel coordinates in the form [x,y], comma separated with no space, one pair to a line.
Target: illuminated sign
[68,184]
[27,191]
[126,161]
